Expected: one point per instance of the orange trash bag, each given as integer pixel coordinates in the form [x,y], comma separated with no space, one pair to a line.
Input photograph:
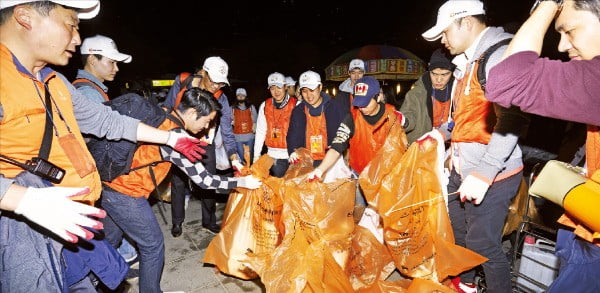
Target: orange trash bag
[251,223]
[318,225]
[406,191]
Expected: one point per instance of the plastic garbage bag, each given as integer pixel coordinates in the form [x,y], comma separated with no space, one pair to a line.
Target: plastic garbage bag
[404,187]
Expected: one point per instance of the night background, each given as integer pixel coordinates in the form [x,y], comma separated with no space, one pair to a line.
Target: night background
[288,36]
[258,38]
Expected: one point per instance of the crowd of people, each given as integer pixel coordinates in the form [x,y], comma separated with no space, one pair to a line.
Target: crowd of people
[57,184]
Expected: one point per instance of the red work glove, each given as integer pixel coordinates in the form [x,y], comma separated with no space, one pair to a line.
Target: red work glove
[190,147]
[401,117]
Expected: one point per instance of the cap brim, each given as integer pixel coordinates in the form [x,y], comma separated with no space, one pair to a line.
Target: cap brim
[434,33]
[218,79]
[87,8]
[276,84]
[310,86]
[120,57]
[360,102]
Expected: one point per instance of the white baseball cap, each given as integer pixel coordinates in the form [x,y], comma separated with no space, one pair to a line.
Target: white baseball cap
[451,11]
[241,91]
[276,79]
[356,63]
[290,81]
[87,8]
[310,79]
[104,46]
[217,69]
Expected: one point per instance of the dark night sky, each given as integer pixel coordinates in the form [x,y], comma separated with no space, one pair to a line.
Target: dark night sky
[257,38]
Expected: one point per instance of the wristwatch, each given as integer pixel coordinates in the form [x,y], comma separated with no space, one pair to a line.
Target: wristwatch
[537,2]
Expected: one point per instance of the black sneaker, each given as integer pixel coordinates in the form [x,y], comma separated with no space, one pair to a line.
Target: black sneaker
[215,229]
[176,231]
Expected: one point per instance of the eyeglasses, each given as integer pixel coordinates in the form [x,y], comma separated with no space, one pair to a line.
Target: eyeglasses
[215,84]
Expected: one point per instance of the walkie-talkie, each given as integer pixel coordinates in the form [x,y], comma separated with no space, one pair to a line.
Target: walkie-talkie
[45,169]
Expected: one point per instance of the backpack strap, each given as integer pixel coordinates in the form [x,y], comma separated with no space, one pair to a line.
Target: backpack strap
[185,79]
[483,59]
[86,82]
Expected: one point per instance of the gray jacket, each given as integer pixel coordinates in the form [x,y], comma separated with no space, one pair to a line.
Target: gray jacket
[501,157]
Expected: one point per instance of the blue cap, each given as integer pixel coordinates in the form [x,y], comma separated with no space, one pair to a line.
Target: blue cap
[365,89]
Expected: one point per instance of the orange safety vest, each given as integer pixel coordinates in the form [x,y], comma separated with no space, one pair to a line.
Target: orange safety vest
[86,81]
[474,116]
[22,125]
[367,138]
[138,183]
[592,149]
[278,123]
[185,85]
[316,134]
[242,121]
[441,112]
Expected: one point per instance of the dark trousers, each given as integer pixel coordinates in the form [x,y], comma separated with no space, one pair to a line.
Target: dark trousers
[180,187]
[279,167]
[479,228]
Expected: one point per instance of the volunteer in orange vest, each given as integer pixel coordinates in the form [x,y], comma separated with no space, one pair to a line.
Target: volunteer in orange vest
[37,103]
[486,160]
[244,122]
[99,56]
[125,198]
[211,77]
[568,91]
[273,123]
[314,121]
[362,133]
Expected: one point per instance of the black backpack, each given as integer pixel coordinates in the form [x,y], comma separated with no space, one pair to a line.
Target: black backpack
[114,157]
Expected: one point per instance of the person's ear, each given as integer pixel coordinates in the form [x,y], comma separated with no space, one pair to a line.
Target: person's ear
[23,15]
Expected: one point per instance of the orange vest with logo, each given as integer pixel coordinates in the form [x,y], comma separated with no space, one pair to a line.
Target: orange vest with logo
[22,125]
[138,183]
[474,116]
[316,135]
[367,138]
[242,121]
[278,122]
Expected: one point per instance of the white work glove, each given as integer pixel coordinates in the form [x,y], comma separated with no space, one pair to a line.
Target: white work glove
[315,175]
[293,158]
[52,209]
[187,145]
[249,182]
[473,189]
[237,166]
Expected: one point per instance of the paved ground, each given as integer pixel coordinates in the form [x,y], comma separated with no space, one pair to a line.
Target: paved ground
[184,269]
